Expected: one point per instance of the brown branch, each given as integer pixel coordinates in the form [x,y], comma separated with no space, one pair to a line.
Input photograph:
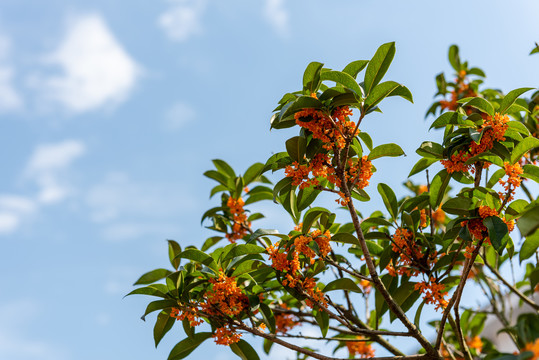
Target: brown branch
[517,292]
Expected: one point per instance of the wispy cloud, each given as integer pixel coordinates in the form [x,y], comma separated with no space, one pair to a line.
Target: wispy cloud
[47,168]
[183,19]
[277,16]
[9,98]
[179,115]
[47,165]
[95,70]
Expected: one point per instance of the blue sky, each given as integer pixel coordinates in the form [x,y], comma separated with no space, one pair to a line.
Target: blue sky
[111,111]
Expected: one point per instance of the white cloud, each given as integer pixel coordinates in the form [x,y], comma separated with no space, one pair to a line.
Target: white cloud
[277,16]
[47,166]
[183,19]
[179,115]
[96,70]
[9,98]
[12,211]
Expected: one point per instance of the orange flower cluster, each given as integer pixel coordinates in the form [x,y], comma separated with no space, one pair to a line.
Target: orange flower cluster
[423,218]
[187,312]
[493,129]
[534,348]
[224,297]
[360,347]
[462,90]
[285,322]
[475,343]
[331,130]
[433,293]
[240,226]
[513,171]
[365,286]
[480,231]
[319,166]
[287,260]
[358,173]
[405,245]
[226,336]
[438,216]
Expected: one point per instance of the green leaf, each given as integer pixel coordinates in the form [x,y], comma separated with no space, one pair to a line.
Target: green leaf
[529,221]
[355,67]
[366,139]
[296,147]
[243,249]
[385,150]
[421,165]
[322,319]
[185,347]
[403,92]
[342,284]
[458,206]
[173,250]
[311,76]
[283,185]
[431,150]
[497,231]
[438,187]
[380,92]
[518,126]
[266,232]
[510,98]
[529,247]
[523,147]
[153,276]
[531,172]
[268,316]
[417,316]
[310,217]
[481,104]
[163,324]
[158,305]
[277,161]
[200,257]
[390,200]
[253,172]
[454,58]
[535,50]
[217,176]
[343,79]
[151,290]
[378,65]
[224,168]
[450,117]
[244,350]
[345,238]
[302,102]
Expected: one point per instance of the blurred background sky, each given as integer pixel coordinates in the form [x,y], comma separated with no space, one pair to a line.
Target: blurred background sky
[110,112]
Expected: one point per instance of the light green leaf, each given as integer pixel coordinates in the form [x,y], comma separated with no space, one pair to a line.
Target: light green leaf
[421,165]
[153,276]
[378,65]
[529,246]
[510,98]
[523,147]
[390,200]
[385,150]
[311,76]
[343,79]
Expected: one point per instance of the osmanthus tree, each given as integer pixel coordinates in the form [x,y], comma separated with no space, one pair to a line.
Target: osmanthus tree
[352,278]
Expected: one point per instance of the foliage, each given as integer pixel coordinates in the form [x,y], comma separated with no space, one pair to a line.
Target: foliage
[421,250]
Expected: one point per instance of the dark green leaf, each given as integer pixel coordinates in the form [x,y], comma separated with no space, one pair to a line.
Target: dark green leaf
[296,147]
[342,284]
[163,324]
[481,104]
[438,187]
[200,257]
[345,238]
[268,316]
[243,249]
[379,92]
[454,58]
[497,231]
[224,168]
[173,250]
[185,347]
[529,221]
[244,350]
[252,173]
[322,319]
[158,305]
